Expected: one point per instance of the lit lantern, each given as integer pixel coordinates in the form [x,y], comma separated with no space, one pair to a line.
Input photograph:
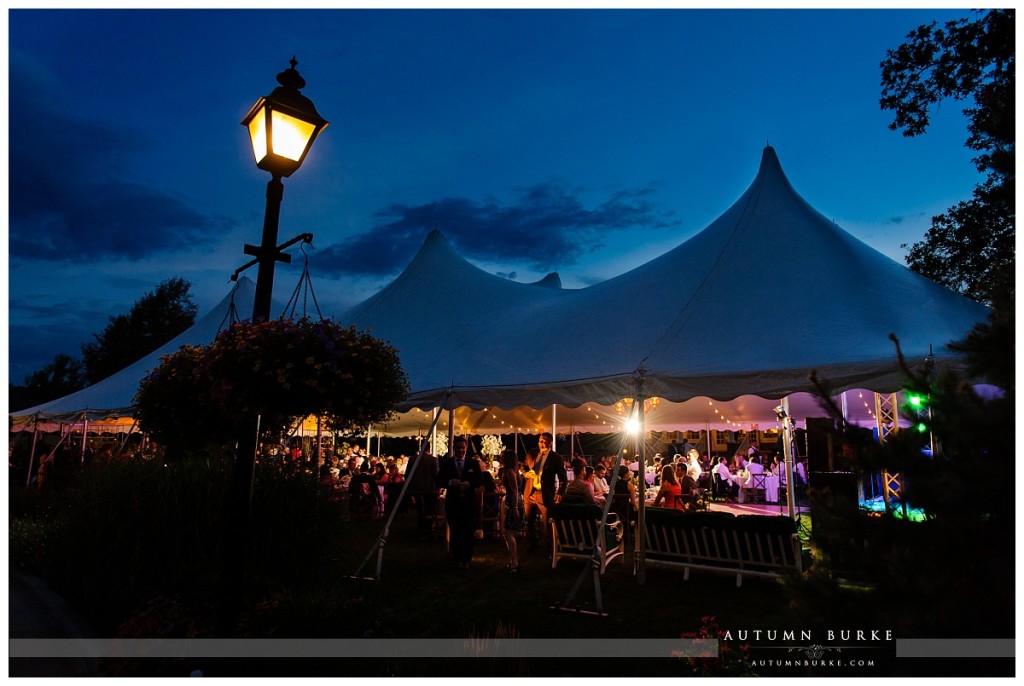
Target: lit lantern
[283,125]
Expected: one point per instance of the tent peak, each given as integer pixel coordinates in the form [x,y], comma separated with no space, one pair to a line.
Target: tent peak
[769,159]
[552,280]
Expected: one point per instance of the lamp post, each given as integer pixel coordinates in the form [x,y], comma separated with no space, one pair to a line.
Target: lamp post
[282,126]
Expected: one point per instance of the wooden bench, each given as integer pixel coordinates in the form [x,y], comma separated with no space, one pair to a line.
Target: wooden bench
[574,532]
[722,542]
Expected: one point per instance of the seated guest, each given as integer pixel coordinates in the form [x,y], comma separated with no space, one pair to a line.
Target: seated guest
[755,467]
[598,482]
[687,489]
[693,465]
[579,491]
[669,487]
[727,485]
[329,484]
[365,495]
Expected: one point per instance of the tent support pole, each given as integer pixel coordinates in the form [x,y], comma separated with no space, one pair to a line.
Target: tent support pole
[378,546]
[131,430]
[319,442]
[599,541]
[638,403]
[451,429]
[32,452]
[554,426]
[787,450]
[85,435]
[432,432]
[707,428]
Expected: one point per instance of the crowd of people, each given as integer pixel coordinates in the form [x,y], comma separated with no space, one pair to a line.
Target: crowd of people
[452,488]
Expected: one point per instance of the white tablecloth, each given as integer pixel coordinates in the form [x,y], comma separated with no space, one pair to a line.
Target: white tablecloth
[771,486]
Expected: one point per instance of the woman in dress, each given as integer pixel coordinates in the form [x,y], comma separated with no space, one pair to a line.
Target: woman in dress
[515,517]
[670,489]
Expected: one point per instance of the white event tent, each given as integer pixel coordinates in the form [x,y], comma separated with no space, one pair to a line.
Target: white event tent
[718,329]
[741,312]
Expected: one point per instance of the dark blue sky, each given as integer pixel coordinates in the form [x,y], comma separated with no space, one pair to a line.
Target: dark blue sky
[578,141]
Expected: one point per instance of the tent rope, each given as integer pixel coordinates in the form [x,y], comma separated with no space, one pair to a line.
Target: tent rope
[305,287]
[231,316]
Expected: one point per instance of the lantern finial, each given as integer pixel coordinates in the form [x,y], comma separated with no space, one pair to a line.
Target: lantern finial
[290,78]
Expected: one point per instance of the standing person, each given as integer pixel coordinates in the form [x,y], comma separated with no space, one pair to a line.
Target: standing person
[515,514]
[460,476]
[550,468]
[423,489]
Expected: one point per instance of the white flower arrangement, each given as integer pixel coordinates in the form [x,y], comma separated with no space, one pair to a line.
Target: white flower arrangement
[441,444]
[492,445]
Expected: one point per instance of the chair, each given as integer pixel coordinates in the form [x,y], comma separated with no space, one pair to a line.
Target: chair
[574,530]
[362,503]
[489,514]
[719,489]
[755,491]
[626,513]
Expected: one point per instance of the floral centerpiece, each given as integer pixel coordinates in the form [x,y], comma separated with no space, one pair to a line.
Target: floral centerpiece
[280,370]
[491,446]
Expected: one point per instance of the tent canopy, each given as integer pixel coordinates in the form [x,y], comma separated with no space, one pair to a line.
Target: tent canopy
[828,300]
[732,319]
[114,396]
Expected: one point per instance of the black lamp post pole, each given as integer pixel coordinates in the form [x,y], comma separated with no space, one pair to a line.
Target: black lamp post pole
[267,252]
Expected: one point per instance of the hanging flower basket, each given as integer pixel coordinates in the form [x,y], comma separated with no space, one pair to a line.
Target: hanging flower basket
[280,370]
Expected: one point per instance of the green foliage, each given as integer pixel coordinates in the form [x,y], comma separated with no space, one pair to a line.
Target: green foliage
[134,544]
[953,572]
[970,248]
[280,370]
[59,378]
[153,320]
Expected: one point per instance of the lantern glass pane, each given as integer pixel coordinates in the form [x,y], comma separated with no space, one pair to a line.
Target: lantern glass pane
[290,135]
[258,135]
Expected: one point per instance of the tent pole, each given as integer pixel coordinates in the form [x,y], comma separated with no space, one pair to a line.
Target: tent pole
[378,546]
[638,403]
[319,442]
[451,429]
[787,448]
[554,424]
[433,431]
[369,453]
[707,428]
[32,453]
[85,434]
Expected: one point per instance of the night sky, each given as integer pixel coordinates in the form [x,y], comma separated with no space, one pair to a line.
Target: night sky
[579,141]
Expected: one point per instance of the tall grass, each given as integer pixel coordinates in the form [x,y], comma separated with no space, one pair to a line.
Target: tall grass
[117,538]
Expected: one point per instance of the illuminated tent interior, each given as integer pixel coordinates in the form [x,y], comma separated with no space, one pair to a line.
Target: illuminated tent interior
[681,336]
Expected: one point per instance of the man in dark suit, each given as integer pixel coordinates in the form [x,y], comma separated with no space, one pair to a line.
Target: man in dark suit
[549,466]
[459,475]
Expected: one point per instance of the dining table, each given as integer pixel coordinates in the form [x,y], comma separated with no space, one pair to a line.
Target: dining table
[745,480]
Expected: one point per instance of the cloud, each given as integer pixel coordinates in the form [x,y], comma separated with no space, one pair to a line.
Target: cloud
[71,195]
[545,227]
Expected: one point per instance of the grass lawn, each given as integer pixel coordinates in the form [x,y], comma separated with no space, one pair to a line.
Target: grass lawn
[422,594]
